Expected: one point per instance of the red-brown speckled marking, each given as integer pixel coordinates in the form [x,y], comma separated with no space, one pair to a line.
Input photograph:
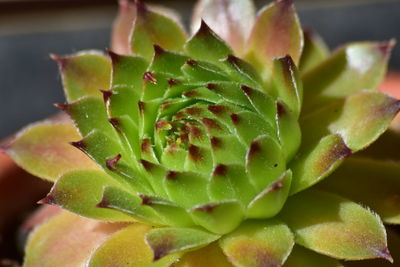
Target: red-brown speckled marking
[112,162]
[194,153]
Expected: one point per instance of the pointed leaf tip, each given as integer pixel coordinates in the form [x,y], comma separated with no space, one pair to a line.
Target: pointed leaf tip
[49,199]
[62,107]
[386,47]
[60,60]
[385,254]
[106,95]
[79,145]
[148,76]
[112,162]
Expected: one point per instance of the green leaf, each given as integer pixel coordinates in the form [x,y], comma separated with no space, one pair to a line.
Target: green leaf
[203,71]
[276,33]
[231,20]
[130,203]
[353,68]
[242,71]
[314,164]
[211,256]
[168,62]
[80,191]
[335,226]
[55,242]
[258,243]
[164,241]
[287,84]
[271,200]
[218,217]
[44,150]
[127,70]
[207,45]
[180,185]
[128,248]
[154,28]
[301,257]
[371,182]
[265,161]
[314,52]
[357,121]
[84,73]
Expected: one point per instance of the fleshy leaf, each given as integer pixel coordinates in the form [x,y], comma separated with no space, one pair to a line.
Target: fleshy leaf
[122,27]
[276,33]
[128,248]
[84,74]
[335,226]
[258,243]
[207,45]
[218,217]
[164,241]
[301,257]
[319,161]
[314,52]
[358,121]
[231,20]
[44,150]
[211,256]
[371,182]
[382,148]
[55,243]
[355,67]
[271,200]
[154,28]
[394,244]
[117,199]
[80,191]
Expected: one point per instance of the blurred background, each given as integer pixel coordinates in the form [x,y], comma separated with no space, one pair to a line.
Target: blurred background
[31,29]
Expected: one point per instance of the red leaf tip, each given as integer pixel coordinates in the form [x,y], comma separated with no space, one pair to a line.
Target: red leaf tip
[106,94]
[60,60]
[49,199]
[148,76]
[386,47]
[112,162]
[63,107]
[385,254]
[140,7]
[158,50]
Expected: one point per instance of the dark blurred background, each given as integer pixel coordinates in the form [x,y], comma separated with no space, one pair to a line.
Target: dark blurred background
[30,30]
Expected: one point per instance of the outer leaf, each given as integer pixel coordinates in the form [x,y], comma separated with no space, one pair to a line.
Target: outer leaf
[127,248]
[207,45]
[55,242]
[276,33]
[43,150]
[301,257]
[164,241]
[122,27]
[353,68]
[258,243]
[371,182]
[84,73]
[211,256]
[335,226]
[394,243]
[231,20]
[80,191]
[315,51]
[382,149]
[359,120]
[153,28]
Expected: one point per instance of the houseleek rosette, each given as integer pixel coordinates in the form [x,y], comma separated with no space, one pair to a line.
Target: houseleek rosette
[202,150]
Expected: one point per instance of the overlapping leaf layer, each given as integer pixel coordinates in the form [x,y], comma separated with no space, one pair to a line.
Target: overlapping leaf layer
[209,144]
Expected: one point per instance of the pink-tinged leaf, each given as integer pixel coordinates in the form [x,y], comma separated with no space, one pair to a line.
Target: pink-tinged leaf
[66,240]
[315,51]
[122,27]
[84,73]
[371,182]
[127,248]
[231,20]
[152,28]
[302,257]
[352,68]
[394,245]
[258,243]
[80,192]
[165,241]
[211,256]
[335,226]
[317,162]
[276,33]
[44,150]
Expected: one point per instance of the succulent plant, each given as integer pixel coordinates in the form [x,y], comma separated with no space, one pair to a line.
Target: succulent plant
[206,151]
